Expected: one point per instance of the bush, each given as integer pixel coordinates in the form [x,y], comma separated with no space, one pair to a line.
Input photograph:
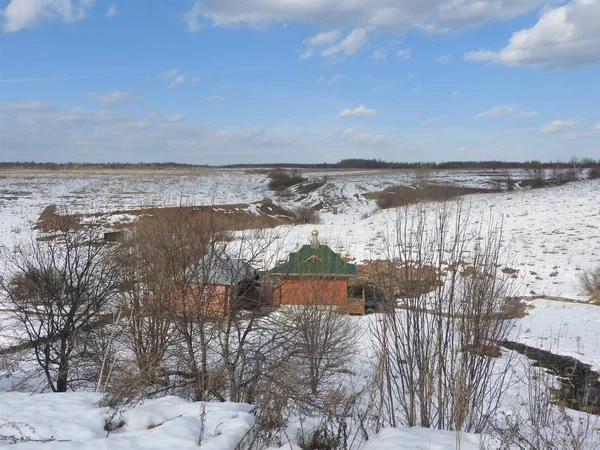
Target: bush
[282,179]
[306,215]
[590,283]
[594,174]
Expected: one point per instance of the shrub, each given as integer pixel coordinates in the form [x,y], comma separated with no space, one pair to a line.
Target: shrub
[590,283]
[282,179]
[594,174]
[306,215]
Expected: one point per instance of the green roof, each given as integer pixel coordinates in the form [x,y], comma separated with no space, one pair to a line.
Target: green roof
[315,261]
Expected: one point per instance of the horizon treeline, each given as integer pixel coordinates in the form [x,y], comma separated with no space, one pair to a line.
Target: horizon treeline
[350,163]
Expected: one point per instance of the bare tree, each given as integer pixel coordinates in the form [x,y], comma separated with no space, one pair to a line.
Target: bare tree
[436,346]
[58,289]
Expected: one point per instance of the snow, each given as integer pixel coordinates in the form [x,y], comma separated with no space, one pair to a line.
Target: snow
[569,329]
[552,234]
[73,420]
[422,438]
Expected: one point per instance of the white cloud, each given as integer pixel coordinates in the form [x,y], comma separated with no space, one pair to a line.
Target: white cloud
[112,98]
[179,79]
[320,79]
[196,79]
[404,54]
[566,36]
[500,110]
[592,132]
[360,111]
[525,115]
[214,98]
[431,121]
[462,149]
[350,45]
[416,88]
[397,15]
[444,59]
[326,38]
[112,11]
[307,54]
[23,14]
[191,18]
[488,139]
[409,76]
[561,125]
[380,54]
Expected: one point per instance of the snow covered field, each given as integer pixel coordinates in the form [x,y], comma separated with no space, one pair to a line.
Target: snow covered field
[551,234]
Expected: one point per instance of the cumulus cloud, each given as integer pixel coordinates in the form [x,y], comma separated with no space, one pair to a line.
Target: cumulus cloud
[360,111]
[112,11]
[557,126]
[112,98]
[495,111]
[566,36]
[23,14]
[398,15]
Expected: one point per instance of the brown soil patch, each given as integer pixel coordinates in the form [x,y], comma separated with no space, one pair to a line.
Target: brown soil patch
[396,196]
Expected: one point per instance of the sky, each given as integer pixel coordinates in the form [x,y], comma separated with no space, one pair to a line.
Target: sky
[308,81]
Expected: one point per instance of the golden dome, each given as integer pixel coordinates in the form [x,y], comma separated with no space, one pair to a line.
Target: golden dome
[315,232]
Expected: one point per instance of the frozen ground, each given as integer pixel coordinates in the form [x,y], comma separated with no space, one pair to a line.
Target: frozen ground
[552,235]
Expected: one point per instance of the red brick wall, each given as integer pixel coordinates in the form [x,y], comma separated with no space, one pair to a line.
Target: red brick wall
[320,292]
[204,300]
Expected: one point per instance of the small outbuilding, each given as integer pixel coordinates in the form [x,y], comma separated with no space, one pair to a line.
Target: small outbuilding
[223,284]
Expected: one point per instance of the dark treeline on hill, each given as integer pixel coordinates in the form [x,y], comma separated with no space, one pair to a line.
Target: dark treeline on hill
[354,163]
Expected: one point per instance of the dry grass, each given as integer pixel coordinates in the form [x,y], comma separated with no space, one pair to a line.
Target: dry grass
[590,284]
[236,217]
[397,196]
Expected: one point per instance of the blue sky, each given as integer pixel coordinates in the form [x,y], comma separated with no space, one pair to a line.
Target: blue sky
[234,81]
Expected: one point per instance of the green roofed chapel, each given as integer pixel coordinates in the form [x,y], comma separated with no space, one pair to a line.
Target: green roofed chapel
[314,274]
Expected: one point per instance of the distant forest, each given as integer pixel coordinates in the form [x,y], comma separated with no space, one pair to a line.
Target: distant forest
[354,163]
